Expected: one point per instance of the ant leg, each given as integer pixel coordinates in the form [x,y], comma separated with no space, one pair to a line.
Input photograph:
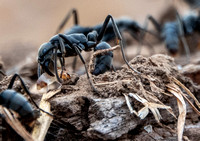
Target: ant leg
[83,61]
[55,65]
[26,90]
[181,32]
[154,22]
[157,26]
[140,40]
[119,37]
[63,51]
[39,70]
[76,22]
[2,73]
[74,12]
[125,48]
[81,57]
[74,64]
[62,63]
[62,46]
[13,80]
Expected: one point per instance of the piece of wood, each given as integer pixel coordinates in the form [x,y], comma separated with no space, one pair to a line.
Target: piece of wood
[40,130]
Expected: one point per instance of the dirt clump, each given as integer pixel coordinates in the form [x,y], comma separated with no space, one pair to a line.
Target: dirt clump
[106,116]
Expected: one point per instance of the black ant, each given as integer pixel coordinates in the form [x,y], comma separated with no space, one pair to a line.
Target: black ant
[124,25]
[15,101]
[172,32]
[62,46]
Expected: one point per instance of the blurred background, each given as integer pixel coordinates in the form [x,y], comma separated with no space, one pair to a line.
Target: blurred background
[25,25]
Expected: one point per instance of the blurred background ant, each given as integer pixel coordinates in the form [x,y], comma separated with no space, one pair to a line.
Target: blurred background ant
[174,31]
[15,101]
[19,107]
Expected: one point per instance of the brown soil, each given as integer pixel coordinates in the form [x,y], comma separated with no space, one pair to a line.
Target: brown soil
[105,116]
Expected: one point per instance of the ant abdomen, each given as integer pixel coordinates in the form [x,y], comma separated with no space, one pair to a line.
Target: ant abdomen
[17,102]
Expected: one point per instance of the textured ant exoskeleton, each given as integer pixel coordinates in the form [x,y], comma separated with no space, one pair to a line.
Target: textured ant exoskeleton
[62,46]
[17,102]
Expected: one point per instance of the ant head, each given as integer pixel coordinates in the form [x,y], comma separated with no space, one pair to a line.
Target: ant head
[36,113]
[30,120]
[45,56]
[44,52]
[172,50]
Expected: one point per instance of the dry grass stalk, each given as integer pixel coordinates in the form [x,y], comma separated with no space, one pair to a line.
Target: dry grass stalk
[109,83]
[187,90]
[175,90]
[148,106]
[193,107]
[51,94]
[129,105]
[40,130]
